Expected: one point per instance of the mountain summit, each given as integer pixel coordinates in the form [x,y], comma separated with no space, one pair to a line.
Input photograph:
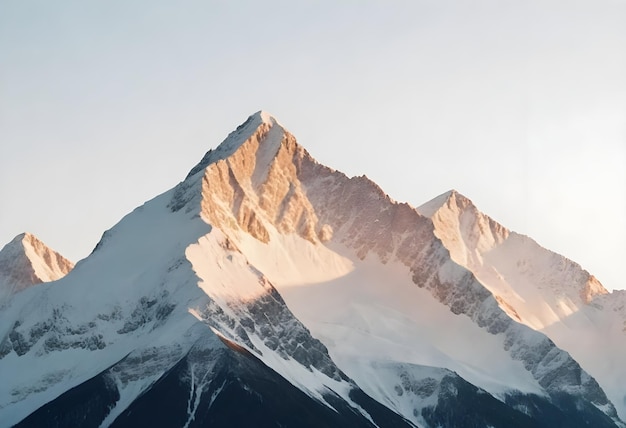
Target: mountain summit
[538,288]
[266,289]
[26,261]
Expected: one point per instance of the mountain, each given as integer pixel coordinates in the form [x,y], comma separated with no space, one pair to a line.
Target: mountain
[26,261]
[266,289]
[540,289]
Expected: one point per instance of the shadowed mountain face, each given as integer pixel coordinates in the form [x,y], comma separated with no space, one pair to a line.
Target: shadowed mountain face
[269,290]
[212,385]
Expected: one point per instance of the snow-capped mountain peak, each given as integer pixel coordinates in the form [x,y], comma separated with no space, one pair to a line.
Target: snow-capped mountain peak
[303,223]
[254,129]
[252,176]
[431,207]
[498,256]
[266,117]
[537,287]
[263,264]
[27,261]
[466,232]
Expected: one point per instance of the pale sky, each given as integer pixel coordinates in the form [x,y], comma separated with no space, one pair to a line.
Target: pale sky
[519,105]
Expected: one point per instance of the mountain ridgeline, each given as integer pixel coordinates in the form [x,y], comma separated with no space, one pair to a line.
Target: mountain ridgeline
[268,290]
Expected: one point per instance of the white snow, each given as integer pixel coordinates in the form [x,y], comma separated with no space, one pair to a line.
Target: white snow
[367,313]
[228,279]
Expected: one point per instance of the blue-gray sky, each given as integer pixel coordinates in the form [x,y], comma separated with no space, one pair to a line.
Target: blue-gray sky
[520,105]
